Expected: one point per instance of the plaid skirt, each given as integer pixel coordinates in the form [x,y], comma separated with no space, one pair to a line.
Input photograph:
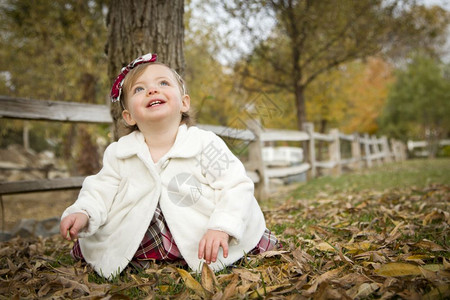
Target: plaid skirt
[158,244]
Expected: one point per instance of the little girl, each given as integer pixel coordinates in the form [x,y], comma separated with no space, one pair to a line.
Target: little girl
[168,190]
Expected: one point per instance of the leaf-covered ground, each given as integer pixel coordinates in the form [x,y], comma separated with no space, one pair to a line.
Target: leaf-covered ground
[390,243]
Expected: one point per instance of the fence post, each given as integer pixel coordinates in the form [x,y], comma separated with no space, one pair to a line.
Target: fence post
[376,150]
[367,153]
[386,151]
[256,162]
[309,129]
[395,150]
[334,150]
[356,151]
[403,152]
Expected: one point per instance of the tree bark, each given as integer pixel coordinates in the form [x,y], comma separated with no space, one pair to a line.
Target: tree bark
[137,27]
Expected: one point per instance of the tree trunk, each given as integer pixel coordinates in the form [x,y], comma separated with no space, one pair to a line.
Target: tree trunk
[300,105]
[320,144]
[301,110]
[87,157]
[137,27]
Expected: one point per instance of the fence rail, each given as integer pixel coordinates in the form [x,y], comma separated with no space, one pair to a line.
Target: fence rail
[365,150]
[422,147]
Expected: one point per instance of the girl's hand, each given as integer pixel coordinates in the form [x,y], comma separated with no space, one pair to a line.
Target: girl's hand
[210,243]
[72,224]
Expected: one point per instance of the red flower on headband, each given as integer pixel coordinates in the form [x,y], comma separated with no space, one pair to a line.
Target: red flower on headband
[116,89]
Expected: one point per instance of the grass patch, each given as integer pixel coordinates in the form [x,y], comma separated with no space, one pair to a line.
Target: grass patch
[417,173]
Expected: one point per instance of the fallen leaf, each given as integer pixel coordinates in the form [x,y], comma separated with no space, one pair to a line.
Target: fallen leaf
[428,245]
[208,278]
[398,270]
[356,248]
[326,247]
[264,290]
[440,292]
[322,278]
[231,289]
[273,253]
[434,215]
[247,275]
[363,290]
[192,284]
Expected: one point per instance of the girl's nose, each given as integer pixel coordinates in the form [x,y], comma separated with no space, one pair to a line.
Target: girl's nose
[153,90]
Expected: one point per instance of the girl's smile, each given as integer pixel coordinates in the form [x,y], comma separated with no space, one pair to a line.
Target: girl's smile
[155,102]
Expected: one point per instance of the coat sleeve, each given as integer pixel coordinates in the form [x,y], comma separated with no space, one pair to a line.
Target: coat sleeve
[234,201]
[98,192]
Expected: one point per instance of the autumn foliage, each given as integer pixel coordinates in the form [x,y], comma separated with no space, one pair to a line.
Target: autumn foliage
[368,244]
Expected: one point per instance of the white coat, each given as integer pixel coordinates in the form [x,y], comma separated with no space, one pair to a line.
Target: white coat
[199,184]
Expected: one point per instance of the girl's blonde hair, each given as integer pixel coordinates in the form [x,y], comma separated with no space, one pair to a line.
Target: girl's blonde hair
[133,75]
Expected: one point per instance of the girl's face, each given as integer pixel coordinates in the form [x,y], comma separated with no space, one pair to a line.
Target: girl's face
[154,97]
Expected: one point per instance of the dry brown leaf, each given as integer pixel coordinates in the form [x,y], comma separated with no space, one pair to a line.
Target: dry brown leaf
[273,253]
[440,292]
[363,291]
[209,280]
[434,215]
[192,284]
[264,290]
[428,245]
[446,264]
[322,278]
[351,279]
[242,289]
[320,231]
[231,288]
[247,275]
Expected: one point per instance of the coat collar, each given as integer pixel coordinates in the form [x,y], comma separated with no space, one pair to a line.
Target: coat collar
[186,144]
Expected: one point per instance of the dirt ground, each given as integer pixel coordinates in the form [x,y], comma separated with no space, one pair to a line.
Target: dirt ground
[38,206]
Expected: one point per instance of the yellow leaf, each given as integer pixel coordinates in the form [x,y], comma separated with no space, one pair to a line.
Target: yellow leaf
[418,256]
[163,288]
[398,269]
[356,248]
[192,284]
[324,246]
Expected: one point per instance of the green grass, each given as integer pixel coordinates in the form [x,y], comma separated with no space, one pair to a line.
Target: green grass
[407,174]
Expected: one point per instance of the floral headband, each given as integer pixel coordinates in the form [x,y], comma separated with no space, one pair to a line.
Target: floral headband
[116,89]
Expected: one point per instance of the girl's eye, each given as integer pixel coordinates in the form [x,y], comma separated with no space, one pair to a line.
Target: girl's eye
[138,89]
[164,83]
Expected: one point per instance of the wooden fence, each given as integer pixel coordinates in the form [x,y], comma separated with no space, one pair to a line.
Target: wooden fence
[366,150]
[420,148]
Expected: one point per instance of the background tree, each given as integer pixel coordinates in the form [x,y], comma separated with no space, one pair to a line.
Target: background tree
[53,50]
[137,27]
[418,103]
[312,37]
